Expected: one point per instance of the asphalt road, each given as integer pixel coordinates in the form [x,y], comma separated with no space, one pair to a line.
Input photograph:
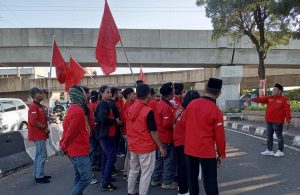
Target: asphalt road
[245,171]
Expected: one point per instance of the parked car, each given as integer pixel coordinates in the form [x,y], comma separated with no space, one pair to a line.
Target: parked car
[14,114]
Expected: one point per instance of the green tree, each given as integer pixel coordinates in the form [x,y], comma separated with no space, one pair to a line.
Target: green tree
[290,11]
[293,94]
[251,18]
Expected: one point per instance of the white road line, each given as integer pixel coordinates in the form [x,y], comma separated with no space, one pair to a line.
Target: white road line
[290,147]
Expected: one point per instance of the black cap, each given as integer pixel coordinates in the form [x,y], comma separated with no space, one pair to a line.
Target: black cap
[214,85]
[166,89]
[178,88]
[280,87]
[35,90]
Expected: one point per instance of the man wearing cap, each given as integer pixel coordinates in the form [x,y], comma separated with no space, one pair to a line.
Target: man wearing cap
[165,168]
[38,133]
[278,112]
[204,138]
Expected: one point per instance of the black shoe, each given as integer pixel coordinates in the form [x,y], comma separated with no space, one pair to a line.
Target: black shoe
[108,187]
[134,194]
[42,180]
[124,176]
[47,177]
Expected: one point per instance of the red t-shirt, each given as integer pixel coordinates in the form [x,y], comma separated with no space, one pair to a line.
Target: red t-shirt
[153,104]
[179,129]
[92,107]
[204,129]
[165,120]
[124,115]
[278,108]
[75,138]
[36,114]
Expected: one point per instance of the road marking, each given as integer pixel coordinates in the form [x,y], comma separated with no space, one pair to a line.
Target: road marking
[290,147]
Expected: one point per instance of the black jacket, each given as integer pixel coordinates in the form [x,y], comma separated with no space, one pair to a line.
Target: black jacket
[103,122]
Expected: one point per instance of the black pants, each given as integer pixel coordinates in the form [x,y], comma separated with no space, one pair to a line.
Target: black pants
[209,172]
[277,128]
[181,170]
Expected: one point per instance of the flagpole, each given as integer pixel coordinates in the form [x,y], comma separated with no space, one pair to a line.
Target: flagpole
[50,83]
[128,62]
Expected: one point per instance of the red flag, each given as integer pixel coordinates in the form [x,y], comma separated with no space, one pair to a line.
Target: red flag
[142,76]
[59,63]
[74,74]
[108,38]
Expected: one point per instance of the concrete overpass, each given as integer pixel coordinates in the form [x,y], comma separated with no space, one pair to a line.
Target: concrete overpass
[150,48]
[19,87]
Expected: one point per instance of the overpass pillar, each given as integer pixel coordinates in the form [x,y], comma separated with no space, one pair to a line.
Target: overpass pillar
[232,77]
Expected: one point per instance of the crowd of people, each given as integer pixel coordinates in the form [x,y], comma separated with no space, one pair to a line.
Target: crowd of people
[164,136]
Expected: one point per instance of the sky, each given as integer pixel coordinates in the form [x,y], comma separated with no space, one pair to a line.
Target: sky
[128,14]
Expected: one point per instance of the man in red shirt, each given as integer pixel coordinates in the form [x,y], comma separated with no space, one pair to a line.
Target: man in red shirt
[204,137]
[75,140]
[130,97]
[142,141]
[278,111]
[165,168]
[38,133]
[179,134]
[95,152]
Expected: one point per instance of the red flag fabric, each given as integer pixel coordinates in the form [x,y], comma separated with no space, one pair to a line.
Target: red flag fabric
[74,74]
[59,63]
[142,76]
[108,38]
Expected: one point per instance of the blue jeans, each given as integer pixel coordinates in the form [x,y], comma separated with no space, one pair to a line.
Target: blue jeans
[95,152]
[40,158]
[108,158]
[277,128]
[83,175]
[165,167]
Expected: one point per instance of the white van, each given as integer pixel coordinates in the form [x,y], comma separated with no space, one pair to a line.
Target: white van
[13,115]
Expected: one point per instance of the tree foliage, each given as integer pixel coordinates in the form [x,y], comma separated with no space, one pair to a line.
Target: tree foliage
[289,10]
[293,94]
[253,18]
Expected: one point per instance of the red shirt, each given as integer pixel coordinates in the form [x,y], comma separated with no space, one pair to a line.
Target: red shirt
[178,101]
[139,137]
[120,104]
[164,118]
[278,108]
[75,138]
[36,114]
[204,128]
[153,104]
[179,129]
[92,107]
[124,114]
[112,128]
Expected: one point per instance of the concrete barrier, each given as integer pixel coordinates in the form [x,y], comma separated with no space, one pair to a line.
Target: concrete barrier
[12,152]
[16,150]
[30,147]
[55,135]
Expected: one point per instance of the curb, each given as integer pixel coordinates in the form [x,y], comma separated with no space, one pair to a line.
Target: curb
[289,138]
